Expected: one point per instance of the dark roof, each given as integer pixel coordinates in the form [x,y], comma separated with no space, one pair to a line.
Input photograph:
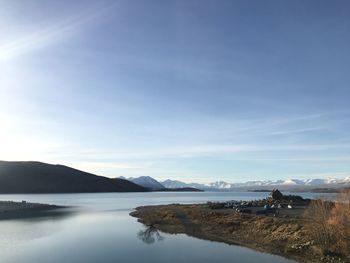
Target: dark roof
[276,194]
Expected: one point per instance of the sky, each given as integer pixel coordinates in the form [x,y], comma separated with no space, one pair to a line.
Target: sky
[197,91]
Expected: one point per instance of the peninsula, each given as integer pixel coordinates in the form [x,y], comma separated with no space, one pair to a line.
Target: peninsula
[281,228]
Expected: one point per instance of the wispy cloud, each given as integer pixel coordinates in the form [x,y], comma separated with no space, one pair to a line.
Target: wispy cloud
[50,32]
[125,88]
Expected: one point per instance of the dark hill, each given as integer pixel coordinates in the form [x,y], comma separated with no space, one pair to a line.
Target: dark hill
[37,177]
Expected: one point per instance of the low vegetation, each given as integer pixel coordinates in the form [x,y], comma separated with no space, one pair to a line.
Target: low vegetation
[328,224]
[318,232]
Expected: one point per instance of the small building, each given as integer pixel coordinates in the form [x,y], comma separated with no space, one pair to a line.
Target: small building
[276,194]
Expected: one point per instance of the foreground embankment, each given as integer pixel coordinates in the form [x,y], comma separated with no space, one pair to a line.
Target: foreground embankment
[283,235]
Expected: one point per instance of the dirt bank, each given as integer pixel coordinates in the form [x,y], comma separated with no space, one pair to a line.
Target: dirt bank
[285,236]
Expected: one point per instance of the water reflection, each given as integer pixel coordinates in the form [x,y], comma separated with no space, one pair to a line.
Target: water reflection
[54,214]
[99,221]
[150,235]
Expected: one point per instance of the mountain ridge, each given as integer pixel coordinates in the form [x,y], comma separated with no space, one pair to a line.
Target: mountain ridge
[288,183]
[147,182]
[39,177]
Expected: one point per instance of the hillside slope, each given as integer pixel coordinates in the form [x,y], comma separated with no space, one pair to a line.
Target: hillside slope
[37,177]
[147,182]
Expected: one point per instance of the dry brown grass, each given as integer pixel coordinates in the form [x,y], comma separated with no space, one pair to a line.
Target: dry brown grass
[340,221]
[315,238]
[318,214]
[283,236]
[329,224]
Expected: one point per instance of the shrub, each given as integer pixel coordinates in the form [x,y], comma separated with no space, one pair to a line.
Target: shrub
[329,224]
[318,214]
[340,221]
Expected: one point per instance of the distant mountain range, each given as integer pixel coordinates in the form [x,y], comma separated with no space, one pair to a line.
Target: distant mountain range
[178,184]
[288,184]
[153,185]
[37,177]
[147,182]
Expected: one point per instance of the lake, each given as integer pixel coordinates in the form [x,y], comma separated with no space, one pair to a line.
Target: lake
[99,229]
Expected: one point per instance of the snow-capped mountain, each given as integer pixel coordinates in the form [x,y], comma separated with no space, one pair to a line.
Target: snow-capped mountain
[178,184]
[346,180]
[147,182]
[284,184]
[153,184]
[174,184]
[220,185]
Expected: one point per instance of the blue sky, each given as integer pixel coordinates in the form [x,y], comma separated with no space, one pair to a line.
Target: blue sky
[189,90]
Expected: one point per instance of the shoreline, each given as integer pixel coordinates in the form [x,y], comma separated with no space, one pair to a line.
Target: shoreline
[282,236]
[17,210]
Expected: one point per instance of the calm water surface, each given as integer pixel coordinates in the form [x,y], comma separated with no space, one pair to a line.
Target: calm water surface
[99,229]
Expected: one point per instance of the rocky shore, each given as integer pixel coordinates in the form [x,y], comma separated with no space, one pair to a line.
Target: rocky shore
[281,235]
